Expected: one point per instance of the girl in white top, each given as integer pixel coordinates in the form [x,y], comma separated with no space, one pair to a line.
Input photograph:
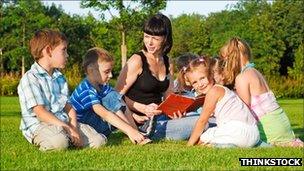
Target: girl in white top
[235,123]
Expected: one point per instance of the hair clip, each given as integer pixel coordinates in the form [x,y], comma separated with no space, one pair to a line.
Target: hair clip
[184,68]
[201,59]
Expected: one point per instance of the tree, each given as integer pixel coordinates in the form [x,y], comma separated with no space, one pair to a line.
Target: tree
[289,24]
[131,14]
[187,34]
[20,20]
[298,65]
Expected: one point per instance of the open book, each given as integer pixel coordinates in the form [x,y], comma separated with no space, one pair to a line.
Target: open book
[175,102]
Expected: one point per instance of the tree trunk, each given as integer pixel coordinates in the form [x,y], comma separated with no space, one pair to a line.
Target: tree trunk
[23,45]
[1,67]
[123,48]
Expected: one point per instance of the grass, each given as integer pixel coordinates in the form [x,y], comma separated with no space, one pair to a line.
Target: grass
[120,154]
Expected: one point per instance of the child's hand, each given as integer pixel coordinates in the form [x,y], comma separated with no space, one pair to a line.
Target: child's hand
[177,115]
[136,137]
[75,136]
[151,110]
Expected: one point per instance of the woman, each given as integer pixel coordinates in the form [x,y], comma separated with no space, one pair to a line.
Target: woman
[145,80]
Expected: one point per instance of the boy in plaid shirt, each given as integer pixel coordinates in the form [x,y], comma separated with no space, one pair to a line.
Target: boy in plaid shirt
[48,120]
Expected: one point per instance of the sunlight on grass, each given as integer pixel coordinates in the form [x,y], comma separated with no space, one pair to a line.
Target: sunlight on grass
[121,154]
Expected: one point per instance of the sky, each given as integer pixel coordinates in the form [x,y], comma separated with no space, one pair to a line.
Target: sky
[174,8]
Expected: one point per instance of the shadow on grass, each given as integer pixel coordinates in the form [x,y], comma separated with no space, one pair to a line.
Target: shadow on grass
[10,113]
[299,132]
[116,138]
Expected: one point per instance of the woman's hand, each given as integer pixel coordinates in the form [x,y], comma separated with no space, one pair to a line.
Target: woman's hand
[151,110]
[177,115]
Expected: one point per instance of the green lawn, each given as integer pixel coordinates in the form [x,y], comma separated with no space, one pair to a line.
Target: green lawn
[120,154]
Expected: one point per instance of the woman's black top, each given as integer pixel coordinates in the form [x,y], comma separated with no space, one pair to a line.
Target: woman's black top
[148,89]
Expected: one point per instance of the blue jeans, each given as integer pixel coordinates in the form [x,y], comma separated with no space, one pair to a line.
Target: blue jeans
[174,129]
[112,102]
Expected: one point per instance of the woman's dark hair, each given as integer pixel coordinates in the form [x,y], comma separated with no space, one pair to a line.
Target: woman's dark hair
[160,25]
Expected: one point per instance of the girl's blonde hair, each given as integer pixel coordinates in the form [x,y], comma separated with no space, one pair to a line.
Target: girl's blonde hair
[181,63]
[232,52]
[202,63]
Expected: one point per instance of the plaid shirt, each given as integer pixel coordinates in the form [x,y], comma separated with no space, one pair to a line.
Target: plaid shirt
[37,87]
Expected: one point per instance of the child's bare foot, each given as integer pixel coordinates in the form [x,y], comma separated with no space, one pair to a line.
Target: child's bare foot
[145,141]
[205,144]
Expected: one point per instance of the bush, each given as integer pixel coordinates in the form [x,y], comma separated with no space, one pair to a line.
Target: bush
[283,87]
[9,83]
[286,87]
[73,75]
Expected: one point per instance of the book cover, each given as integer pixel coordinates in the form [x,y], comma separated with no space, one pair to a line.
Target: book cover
[175,102]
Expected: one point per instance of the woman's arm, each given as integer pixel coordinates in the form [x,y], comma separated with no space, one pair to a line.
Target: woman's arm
[126,79]
[212,97]
[129,74]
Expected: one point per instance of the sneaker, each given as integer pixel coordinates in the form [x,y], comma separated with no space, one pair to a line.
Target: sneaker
[148,128]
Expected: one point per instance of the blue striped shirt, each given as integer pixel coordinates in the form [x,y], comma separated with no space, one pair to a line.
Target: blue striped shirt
[85,96]
[37,87]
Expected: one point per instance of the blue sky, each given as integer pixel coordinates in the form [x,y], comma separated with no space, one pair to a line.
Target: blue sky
[174,8]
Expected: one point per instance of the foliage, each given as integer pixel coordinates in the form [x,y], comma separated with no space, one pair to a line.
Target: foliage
[73,75]
[298,66]
[185,29]
[131,14]
[9,83]
[19,21]
[286,87]
[274,30]
[120,154]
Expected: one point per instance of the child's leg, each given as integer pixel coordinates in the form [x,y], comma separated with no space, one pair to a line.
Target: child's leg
[173,129]
[275,128]
[233,133]
[50,137]
[97,123]
[91,137]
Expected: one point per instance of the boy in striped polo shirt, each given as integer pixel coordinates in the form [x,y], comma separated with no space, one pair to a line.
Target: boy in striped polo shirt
[48,120]
[98,104]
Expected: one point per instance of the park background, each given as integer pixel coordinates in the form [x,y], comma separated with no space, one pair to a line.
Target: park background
[274,30]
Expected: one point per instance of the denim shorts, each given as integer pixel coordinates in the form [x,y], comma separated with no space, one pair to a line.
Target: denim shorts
[112,102]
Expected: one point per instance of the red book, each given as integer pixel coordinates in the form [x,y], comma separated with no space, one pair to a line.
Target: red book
[175,102]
